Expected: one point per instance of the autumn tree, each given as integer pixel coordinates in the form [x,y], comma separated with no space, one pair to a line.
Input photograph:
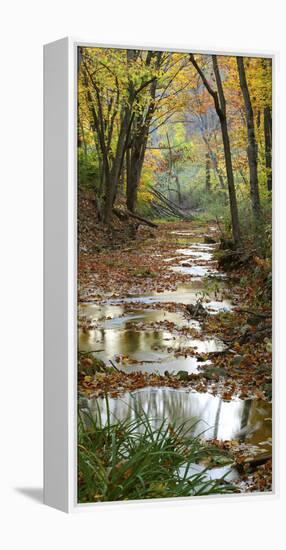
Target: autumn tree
[123,91]
[152,121]
[220,107]
[139,132]
[208,175]
[267,112]
[113,91]
[252,143]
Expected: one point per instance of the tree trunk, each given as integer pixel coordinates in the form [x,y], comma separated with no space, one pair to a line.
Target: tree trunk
[115,172]
[220,107]
[218,172]
[268,146]
[178,187]
[139,138]
[135,169]
[230,182]
[221,110]
[252,144]
[208,173]
[213,158]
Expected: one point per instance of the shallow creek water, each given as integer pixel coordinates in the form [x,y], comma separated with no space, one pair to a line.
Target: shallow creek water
[144,335]
[146,340]
[204,414]
[120,335]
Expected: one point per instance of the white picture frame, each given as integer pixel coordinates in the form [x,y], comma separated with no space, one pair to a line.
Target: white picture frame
[60,279]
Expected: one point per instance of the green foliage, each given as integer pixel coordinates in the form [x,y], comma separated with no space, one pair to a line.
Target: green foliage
[131,459]
[88,170]
[144,207]
[256,235]
[162,96]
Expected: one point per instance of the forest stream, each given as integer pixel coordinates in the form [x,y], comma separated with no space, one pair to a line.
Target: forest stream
[174,212]
[136,332]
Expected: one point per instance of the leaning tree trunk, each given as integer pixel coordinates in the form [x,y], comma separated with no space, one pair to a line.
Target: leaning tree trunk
[268,146]
[220,107]
[230,182]
[252,144]
[221,111]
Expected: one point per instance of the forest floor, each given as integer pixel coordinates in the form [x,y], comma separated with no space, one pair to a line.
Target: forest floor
[155,311]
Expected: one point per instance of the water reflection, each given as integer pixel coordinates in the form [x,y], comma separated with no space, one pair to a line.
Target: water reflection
[204,414]
[147,350]
[229,474]
[186,293]
[194,270]
[116,332]
[200,254]
[121,315]
[184,232]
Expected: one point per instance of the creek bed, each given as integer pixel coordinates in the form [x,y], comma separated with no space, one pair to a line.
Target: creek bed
[138,338]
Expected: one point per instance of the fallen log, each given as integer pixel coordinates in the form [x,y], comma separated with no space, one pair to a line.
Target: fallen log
[164,211]
[257,461]
[253,462]
[124,215]
[121,214]
[142,220]
[173,207]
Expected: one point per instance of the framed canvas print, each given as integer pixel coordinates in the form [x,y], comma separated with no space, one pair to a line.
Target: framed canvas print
[158,274]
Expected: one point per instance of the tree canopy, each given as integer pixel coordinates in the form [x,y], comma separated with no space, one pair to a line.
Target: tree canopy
[195,128]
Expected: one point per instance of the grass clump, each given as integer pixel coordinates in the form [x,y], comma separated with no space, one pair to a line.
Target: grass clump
[131,459]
